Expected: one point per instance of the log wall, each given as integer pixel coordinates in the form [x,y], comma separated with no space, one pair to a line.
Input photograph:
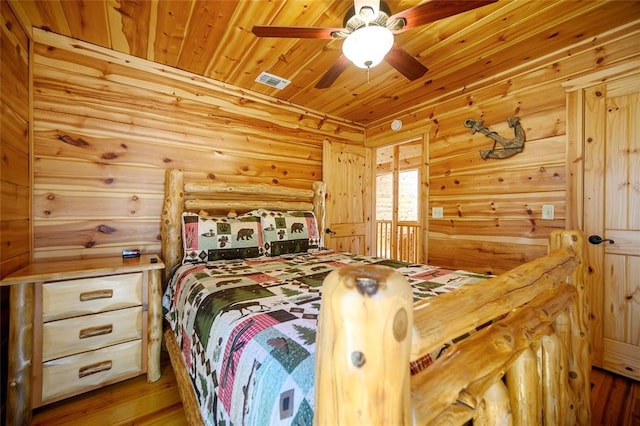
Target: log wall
[14,150]
[15,184]
[492,208]
[107,124]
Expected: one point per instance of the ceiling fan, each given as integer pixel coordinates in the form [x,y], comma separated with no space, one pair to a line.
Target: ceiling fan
[368,31]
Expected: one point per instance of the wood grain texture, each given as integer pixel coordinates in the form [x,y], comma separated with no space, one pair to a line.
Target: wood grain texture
[132,401]
[171,118]
[524,389]
[72,269]
[436,319]
[363,333]
[214,39]
[100,153]
[43,353]
[493,207]
[154,324]
[533,307]
[615,401]
[495,345]
[15,187]
[223,198]
[15,180]
[185,387]
[21,317]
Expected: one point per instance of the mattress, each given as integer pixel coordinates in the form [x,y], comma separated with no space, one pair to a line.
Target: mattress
[247,330]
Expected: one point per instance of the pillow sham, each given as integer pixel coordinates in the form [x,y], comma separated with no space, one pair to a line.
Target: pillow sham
[288,232]
[207,238]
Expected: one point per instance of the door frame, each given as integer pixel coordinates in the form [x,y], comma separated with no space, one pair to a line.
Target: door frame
[423,214]
[422,197]
[575,189]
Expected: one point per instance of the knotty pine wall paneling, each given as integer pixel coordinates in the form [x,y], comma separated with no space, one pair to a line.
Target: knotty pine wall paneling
[492,208]
[107,125]
[15,247]
[14,150]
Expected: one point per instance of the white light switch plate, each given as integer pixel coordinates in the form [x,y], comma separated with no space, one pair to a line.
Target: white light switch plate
[548,212]
[437,212]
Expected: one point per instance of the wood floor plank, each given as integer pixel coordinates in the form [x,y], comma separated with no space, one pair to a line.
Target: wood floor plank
[633,416]
[615,401]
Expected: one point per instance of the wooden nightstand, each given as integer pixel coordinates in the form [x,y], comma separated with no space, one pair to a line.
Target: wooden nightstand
[78,325]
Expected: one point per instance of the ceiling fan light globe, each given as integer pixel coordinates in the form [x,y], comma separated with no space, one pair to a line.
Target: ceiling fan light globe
[367,46]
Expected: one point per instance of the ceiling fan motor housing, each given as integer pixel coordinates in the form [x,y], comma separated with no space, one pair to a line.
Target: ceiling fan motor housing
[353,21]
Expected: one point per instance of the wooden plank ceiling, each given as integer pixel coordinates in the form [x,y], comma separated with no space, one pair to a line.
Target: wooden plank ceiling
[214,39]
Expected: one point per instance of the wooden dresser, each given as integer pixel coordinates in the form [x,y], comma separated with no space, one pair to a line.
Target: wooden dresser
[78,325]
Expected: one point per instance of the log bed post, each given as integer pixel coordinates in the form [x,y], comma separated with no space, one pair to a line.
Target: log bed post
[364,332]
[171,231]
[578,339]
[319,191]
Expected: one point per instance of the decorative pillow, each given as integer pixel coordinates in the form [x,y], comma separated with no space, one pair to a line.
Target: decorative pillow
[288,232]
[207,238]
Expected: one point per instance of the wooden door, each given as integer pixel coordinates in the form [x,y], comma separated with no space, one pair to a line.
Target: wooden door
[612,212]
[347,171]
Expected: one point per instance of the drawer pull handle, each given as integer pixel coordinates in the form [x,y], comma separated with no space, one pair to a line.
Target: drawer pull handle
[98,294]
[94,368]
[95,331]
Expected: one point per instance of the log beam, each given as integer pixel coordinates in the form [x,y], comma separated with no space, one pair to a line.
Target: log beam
[442,385]
[171,229]
[437,319]
[524,390]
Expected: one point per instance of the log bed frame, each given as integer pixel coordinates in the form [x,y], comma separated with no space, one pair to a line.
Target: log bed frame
[531,366]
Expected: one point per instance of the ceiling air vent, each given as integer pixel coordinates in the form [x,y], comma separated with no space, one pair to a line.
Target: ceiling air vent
[272,80]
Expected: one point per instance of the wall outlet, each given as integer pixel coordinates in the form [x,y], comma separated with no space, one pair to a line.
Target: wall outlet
[548,212]
[437,212]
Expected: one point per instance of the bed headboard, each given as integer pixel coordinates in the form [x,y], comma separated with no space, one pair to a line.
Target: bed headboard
[224,198]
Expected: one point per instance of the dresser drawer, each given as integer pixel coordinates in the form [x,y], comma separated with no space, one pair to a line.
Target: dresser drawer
[73,335]
[76,373]
[66,299]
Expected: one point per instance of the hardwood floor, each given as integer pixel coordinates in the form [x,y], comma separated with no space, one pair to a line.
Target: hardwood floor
[615,400]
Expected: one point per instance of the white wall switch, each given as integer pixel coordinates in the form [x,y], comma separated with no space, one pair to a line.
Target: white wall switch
[437,212]
[548,212]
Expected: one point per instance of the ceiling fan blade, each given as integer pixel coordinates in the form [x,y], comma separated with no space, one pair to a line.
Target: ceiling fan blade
[296,32]
[406,64]
[434,10]
[333,73]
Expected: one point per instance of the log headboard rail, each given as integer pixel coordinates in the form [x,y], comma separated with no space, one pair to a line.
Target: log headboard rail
[223,198]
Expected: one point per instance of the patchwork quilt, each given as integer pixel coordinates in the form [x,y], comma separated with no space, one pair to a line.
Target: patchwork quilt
[247,329]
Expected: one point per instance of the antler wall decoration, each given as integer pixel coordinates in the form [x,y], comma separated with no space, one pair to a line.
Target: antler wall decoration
[509,146]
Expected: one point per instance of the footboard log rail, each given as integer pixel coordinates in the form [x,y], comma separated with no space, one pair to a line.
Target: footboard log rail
[530,366]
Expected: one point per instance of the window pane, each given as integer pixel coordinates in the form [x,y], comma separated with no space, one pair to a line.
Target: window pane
[408,196]
[384,196]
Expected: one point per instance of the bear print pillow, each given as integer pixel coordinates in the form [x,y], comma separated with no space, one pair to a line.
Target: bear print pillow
[208,238]
[288,232]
